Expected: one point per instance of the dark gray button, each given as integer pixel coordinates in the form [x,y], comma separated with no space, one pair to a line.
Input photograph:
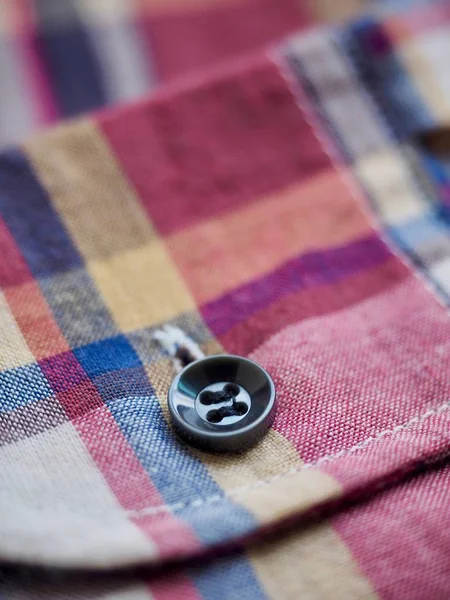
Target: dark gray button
[222,403]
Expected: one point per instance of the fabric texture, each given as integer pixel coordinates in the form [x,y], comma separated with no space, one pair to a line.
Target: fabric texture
[239,207]
[60,58]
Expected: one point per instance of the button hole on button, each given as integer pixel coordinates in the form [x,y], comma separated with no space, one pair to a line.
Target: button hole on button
[232,389]
[207,398]
[214,416]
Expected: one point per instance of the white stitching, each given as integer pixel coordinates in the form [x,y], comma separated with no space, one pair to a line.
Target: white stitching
[172,339]
[197,502]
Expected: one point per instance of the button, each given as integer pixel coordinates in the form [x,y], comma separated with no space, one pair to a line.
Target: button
[222,403]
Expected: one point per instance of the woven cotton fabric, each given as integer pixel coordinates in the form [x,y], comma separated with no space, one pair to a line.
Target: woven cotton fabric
[60,58]
[282,209]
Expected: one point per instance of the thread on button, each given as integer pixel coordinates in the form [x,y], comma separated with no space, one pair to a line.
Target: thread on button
[230,392]
[236,409]
[178,346]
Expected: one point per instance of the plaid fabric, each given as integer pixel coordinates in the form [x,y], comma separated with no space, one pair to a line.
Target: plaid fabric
[60,58]
[236,208]
[391,76]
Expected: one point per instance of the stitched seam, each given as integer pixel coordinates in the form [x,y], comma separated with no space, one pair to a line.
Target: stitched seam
[197,502]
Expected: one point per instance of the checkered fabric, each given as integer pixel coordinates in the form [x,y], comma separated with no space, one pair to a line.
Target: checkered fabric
[60,58]
[238,207]
[391,76]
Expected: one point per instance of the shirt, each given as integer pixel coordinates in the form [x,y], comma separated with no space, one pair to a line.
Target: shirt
[290,207]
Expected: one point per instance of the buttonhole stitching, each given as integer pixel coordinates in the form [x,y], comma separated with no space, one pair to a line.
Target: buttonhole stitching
[178,346]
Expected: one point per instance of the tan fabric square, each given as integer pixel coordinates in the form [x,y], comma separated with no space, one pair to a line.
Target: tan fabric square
[330,10]
[273,455]
[309,563]
[89,190]
[287,494]
[141,287]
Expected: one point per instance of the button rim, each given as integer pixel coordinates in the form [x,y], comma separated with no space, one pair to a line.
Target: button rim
[222,441]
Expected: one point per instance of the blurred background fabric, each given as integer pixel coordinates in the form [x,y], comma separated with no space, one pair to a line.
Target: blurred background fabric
[61,58]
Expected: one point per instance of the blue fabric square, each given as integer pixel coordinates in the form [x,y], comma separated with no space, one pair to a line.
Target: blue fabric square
[78,307]
[32,220]
[378,67]
[180,477]
[21,386]
[69,58]
[123,384]
[418,231]
[107,355]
